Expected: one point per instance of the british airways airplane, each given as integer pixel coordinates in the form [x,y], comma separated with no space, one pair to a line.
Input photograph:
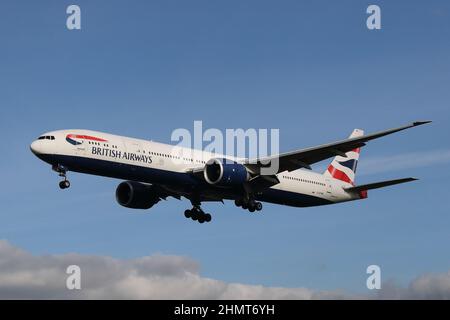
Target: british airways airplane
[154,171]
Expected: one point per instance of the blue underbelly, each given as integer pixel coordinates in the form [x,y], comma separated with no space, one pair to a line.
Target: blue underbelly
[180,180]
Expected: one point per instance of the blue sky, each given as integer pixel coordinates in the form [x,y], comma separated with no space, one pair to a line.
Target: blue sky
[311,69]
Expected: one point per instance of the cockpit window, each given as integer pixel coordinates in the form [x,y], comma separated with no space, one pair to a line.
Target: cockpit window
[46,138]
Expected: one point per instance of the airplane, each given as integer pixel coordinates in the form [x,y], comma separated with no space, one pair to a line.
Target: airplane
[155,171]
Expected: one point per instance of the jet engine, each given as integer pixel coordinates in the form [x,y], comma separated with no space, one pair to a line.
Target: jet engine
[136,195]
[225,173]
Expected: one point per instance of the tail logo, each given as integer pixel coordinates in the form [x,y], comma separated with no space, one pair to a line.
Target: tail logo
[344,169]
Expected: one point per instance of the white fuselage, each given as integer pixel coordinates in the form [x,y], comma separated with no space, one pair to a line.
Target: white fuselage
[157,163]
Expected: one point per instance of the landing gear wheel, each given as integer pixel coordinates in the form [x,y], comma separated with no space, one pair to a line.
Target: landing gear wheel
[238,202]
[64,184]
[252,209]
[258,206]
[197,214]
[62,171]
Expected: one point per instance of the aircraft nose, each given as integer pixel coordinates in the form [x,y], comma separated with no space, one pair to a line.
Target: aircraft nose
[41,150]
[36,147]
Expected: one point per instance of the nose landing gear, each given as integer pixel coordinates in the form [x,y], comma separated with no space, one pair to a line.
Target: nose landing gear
[62,172]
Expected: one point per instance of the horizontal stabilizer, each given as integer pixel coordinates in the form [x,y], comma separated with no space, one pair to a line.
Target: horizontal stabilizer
[377,185]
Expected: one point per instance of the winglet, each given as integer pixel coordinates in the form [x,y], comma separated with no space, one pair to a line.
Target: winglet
[419,123]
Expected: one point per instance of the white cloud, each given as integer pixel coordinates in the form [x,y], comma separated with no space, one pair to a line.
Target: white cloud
[26,276]
[23,276]
[427,286]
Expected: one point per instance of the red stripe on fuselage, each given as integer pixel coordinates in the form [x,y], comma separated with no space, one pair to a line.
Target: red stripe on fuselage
[79,136]
[338,174]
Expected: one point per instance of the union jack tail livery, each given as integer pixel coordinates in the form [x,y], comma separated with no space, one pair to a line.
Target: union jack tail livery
[344,168]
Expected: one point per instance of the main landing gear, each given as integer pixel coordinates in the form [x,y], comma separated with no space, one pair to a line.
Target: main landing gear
[62,172]
[250,204]
[197,214]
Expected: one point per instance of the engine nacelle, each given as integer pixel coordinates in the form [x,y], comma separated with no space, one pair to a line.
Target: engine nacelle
[224,172]
[136,195]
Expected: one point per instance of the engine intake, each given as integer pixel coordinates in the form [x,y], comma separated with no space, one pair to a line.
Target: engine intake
[136,195]
[224,172]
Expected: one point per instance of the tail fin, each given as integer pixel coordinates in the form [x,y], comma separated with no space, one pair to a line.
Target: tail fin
[344,168]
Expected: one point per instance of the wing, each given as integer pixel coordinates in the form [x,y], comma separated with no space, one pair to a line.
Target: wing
[162,193]
[306,157]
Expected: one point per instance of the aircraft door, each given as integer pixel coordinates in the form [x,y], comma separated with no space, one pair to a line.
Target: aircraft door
[329,189]
[133,148]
